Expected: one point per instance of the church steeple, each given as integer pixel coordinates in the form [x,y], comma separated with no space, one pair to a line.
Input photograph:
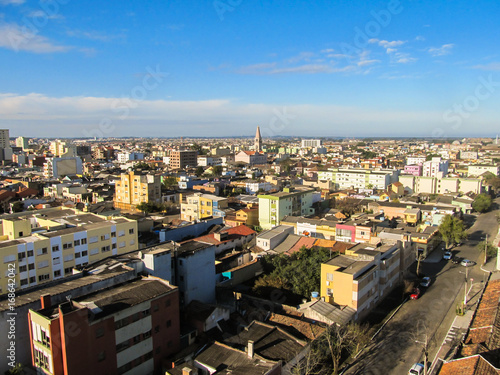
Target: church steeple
[257,145]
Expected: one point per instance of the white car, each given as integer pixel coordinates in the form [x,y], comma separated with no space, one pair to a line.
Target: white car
[416,369]
[467,263]
[447,255]
[426,281]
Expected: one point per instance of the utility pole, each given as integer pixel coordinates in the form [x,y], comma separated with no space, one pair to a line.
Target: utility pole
[485,250]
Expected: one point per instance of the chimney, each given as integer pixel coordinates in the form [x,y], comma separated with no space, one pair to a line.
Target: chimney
[46,301]
[187,371]
[250,349]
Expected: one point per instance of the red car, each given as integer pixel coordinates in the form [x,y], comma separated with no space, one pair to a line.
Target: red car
[415,294]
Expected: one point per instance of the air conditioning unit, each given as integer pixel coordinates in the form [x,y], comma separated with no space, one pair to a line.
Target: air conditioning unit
[327,283]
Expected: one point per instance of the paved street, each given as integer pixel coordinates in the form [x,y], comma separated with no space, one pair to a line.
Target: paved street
[400,343]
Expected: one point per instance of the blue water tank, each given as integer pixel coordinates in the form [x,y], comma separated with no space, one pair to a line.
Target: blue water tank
[315,294]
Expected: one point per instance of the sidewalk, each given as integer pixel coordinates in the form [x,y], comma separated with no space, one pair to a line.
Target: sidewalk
[461,324]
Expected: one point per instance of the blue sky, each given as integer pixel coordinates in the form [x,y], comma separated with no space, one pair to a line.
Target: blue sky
[184,68]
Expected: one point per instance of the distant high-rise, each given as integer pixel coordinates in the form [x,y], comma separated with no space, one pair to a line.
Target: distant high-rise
[22,142]
[310,143]
[257,146]
[5,149]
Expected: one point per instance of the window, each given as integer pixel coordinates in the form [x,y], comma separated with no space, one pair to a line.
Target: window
[55,248]
[32,279]
[43,277]
[137,339]
[146,312]
[94,251]
[84,253]
[105,248]
[68,245]
[68,258]
[169,323]
[77,255]
[113,234]
[30,253]
[131,231]
[24,282]
[121,233]
[23,269]
[157,329]
[31,266]
[56,261]
[122,346]
[57,273]
[83,241]
[146,335]
[101,356]
[21,256]
[93,239]
[99,332]
[329,276]
[68,270]
[113,246]
[43,264]
[77,242]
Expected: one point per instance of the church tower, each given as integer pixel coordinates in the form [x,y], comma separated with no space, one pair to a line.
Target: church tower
[257,145]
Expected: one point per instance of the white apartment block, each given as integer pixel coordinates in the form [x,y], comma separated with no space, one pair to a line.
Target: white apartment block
[440,185]
[415,160]
[310,143]
[433,167]
[359,178]
[477,170]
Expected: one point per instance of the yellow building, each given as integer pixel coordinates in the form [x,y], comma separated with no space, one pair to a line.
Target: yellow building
[39,248]
[199,206]
[361,278]
[133,189]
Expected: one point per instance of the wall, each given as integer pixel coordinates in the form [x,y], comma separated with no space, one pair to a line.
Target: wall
[194,230]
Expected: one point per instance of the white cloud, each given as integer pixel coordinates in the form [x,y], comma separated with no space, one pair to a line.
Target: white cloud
[445,49]
[44,15]
[394,43]
[94,35]
[20,38]
[44,116]
[419,38]
[12,2]
[495,66]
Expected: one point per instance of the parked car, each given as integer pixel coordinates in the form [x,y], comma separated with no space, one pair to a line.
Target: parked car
[416,369]
[457,260]
[467,263]
[415,294]
[426,281]
[447,255]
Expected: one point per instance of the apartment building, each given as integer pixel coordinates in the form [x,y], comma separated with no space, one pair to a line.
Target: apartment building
[199,206]
[45,247]
[415,160]
[5,149]
[294,201]
[415,170]
[62,149]
[180,159]
[251,157]
[359,178]
[361,278]
[435,167]
[479,169]
[133,189]
[310,143]
[22,142]
[64,166]
[127,329]
[124,157]
[440,185]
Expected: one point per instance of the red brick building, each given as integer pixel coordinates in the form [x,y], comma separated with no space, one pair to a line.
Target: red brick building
[127,329]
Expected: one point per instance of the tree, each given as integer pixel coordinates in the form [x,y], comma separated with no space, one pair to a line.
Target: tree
[199,171]
[488,249]
[18,369]
[452,230]
[217,170]
[18,206]
[482,203]
[348,206]
[169,182]
[145,207]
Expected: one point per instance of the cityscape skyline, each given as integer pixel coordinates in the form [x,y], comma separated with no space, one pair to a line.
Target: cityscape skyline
[387,68]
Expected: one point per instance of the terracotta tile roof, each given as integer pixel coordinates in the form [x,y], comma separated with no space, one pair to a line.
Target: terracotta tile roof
[304,241]
[309,330]
[478,335]
[475,365]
